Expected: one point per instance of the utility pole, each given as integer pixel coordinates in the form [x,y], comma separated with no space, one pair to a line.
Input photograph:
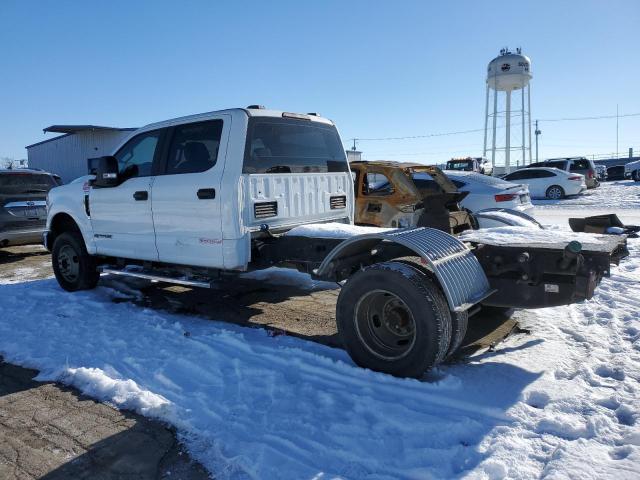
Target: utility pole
[617,123]
[354,145]
[537,132]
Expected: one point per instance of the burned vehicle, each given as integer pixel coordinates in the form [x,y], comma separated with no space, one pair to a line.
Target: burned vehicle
[397,195]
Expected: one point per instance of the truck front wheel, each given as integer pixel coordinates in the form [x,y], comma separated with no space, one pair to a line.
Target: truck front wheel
[392,318]
[72,265]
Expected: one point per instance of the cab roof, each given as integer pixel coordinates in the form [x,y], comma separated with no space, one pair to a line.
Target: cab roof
[235,112]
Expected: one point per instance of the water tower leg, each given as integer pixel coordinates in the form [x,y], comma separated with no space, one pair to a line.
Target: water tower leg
[524,138]
[495,116]
[529,118]
[486,121]
[507,146]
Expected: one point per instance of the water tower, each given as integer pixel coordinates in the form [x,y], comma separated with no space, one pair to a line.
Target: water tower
[507,73]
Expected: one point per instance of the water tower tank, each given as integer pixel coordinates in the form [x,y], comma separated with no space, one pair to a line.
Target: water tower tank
[509,71]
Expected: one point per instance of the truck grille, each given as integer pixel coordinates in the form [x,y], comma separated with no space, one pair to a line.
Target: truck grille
[338,203]
[265,209]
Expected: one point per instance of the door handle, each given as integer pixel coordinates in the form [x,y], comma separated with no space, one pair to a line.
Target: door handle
[206,193]
[142,195]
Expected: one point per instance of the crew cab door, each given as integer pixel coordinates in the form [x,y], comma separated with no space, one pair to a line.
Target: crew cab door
[186,196]
[121,216]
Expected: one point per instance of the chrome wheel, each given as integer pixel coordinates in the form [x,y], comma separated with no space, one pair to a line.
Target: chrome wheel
[555,193]
[385,325]
[68,263]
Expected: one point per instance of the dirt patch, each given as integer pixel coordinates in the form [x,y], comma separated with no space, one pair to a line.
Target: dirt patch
[48,431]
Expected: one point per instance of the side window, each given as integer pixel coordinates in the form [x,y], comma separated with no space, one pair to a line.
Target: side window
[560,165]
[545,174]
[580,165]
[194,147]
[376,184]
[519,175]
[135,159]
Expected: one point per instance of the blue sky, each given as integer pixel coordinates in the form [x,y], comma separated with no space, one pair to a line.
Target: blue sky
[378,69]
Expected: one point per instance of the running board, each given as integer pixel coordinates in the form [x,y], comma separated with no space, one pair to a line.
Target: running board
[157,278]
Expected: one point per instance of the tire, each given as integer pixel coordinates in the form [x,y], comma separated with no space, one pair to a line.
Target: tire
[72,265]
[555,192]
[459,321]
[394,319]
[459,325]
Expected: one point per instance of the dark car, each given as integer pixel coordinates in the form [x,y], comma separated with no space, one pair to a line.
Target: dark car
[616,173]
[23,205]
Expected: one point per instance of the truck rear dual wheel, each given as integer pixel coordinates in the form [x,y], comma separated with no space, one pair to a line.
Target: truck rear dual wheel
[72,265]
[394,319]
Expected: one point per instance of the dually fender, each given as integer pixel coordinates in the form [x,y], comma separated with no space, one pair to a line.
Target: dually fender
[461,276]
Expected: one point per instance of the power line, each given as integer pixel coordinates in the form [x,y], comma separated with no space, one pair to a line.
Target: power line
[418,136]
[589,118]
[476,130]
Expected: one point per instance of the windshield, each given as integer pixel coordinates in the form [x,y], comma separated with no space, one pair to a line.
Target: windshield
[465,165]
[278,145]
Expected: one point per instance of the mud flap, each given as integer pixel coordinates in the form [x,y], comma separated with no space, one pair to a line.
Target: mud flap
[461,276]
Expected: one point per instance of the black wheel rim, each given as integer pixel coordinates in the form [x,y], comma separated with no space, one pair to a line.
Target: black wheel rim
[68,263]
[385,325]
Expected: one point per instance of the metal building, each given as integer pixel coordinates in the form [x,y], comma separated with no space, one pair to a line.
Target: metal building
[66,155]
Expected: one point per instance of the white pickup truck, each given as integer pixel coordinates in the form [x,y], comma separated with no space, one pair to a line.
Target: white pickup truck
[195,199]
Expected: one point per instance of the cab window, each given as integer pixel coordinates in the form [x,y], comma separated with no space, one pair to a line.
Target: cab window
[194,147]
[135,159]
[376,184]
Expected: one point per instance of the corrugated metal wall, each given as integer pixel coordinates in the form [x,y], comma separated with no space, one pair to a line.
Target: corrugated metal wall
[67,155]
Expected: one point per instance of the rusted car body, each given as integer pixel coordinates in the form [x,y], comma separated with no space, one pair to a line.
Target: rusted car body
[392,194]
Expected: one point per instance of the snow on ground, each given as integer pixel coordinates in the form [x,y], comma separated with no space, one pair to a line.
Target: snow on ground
[560,402]
[621,197]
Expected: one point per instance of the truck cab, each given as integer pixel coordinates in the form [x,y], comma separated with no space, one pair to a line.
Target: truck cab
[470,164]
[195,190]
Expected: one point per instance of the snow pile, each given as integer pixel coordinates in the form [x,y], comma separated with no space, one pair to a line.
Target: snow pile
[333,230]
[529,237]
[122,393]
[562,402]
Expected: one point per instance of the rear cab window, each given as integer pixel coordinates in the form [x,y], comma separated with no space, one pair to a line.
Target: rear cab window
[463,165]
[286,145]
